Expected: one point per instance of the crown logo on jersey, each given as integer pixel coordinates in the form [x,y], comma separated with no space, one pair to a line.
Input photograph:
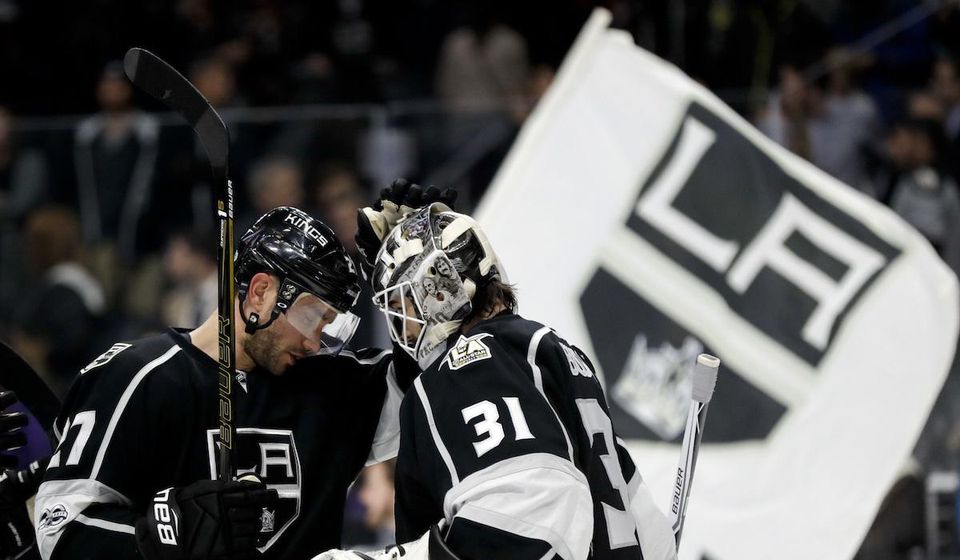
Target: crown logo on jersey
[655,384]
[267,520]
[467,350]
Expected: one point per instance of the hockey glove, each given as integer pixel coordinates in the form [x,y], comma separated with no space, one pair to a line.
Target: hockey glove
[401,197]
[428,547]
[209,519]
[11,426]
[17,535]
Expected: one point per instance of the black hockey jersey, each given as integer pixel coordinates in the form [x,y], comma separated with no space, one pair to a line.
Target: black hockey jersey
[508,439]
[142,418]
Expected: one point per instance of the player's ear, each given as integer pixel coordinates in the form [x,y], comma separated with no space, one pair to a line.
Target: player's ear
[262,291]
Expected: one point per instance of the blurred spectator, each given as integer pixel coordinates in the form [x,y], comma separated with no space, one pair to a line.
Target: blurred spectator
[901,61]
[910,180]
[215,79]
[24,184]
[23,173]
[945,86]
[197,26]
[483,66]
[482,81]
[924,105]
[337,195]
[190,264]
[115,155]
[829,127]
[57,322]
[274,181]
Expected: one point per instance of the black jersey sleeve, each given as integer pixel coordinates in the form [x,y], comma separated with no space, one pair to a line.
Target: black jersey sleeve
[625,516]
[122,405]
[492,457]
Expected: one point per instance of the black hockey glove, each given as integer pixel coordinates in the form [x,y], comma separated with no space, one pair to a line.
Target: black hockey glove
[397,200]
[209,520]
[11,426]
[17,537]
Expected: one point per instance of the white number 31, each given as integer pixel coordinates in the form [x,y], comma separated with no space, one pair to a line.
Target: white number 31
[490,425]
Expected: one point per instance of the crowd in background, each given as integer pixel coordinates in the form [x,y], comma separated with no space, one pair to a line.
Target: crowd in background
[105,220]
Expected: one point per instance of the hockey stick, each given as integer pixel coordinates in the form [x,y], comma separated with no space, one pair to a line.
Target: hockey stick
[704,380]
[17,376]
[154,76]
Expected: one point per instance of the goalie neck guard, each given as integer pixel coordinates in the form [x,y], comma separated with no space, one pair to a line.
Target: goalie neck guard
[427,273]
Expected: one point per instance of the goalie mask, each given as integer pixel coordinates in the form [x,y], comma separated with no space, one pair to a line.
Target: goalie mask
[426,275]
[319,284]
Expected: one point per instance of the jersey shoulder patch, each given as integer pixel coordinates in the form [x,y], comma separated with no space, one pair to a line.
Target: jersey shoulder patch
[467,350]
[102,359]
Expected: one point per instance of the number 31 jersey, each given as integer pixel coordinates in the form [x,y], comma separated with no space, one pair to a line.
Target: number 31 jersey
[507,438]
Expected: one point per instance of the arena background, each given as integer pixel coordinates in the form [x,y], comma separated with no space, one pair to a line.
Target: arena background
[104,202]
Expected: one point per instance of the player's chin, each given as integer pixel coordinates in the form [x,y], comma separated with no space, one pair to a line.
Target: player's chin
[282,363]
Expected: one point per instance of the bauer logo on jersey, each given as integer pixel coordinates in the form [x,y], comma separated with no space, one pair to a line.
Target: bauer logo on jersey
[105,357]
[272,456]
[467,350]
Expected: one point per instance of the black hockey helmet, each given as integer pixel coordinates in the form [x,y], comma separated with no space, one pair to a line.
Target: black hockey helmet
[304,254]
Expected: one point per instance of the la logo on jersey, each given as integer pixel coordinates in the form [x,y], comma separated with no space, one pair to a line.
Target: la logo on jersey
[467,350]
[271,454]
[105,357]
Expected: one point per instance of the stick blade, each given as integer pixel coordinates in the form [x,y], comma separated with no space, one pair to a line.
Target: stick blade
[161,81]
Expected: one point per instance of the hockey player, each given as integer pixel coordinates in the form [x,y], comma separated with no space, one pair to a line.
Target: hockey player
[507,448]
[131,477]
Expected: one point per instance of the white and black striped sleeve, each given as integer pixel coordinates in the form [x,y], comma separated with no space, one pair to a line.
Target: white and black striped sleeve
[102,465]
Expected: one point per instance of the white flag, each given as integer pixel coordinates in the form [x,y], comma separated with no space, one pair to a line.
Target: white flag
[647,222]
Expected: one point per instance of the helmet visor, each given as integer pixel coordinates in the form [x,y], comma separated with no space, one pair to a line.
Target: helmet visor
[322,324]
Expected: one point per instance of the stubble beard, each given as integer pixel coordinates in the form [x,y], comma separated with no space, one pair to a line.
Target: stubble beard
[265,349]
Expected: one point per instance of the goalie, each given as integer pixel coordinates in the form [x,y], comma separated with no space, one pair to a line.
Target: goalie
[507,448]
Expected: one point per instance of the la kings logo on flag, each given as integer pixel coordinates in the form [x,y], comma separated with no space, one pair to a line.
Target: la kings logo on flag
[666,224]
[272,456]
[788,263]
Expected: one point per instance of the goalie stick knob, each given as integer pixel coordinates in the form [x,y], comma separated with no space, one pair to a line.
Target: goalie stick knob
[704,377]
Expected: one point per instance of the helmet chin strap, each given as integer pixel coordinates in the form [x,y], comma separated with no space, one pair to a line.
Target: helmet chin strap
[251,323]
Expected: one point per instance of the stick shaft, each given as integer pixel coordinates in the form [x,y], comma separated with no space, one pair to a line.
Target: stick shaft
[696,418]
[155,76]
[226,288]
